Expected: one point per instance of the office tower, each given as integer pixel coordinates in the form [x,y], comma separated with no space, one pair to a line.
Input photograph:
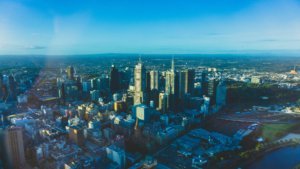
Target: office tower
[114,82]
[15,147]
[154,94]
[152,104]
[95,95]
[204,82]
[182,87]
[61,92]
[139,83]
[79,85]
[153,79]
[119,106]
[186,82]
[221,94]
[86,86]
[104,83]
[117,155]
[162,82]
[163,105]
[125,77]
[70,72]
[12,87]
[191,81]
[76,135]
[211,90]
[143,113]
[206,105]
[171,86]
[170,80]
[94,84]
[148,79]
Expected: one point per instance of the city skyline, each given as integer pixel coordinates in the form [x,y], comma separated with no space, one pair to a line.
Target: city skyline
[176,27]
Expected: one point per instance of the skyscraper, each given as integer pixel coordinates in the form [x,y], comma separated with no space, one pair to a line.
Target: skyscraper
[163,105]
[170,80]
[171,88]
[211,92]
[182,87]
[191,81]
[148,84]
[139,83]
[70,72]
[94,84]
[153,79]
[61,92]
[117,155]
[221,94]
[76,135]
[12,87]
[15,147]
[204,82]
[114,81]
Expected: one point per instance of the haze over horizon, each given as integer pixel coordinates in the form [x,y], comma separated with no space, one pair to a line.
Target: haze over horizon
[132,26]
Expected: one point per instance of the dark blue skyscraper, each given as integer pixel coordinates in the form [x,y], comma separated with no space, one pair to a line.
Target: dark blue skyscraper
[114,82]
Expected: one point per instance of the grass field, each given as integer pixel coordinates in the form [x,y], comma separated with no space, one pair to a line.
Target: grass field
[271,132]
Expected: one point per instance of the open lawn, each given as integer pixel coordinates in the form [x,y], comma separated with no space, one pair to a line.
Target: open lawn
[271,132]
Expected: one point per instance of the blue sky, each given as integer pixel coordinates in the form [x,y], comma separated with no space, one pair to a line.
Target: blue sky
[148,26]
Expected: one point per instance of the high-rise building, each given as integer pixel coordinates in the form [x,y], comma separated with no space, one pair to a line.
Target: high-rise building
[114,81]
[104,83]
[61,91]
[95,95]
[153,79]
[86,86]
[148,85]
[204,82]
[117,155]
[143,112]
[212,90]
[163,105]
[221,94]
[94,83]
[15,147]
[191,81]
[79,85]
[12,87]
[182,87]
[70,72]
[76,135]
[140,84]
[170,80]
[186,82]
[171,85]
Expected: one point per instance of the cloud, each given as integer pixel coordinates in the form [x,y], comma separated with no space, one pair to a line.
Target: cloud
[36,47]
[278,40]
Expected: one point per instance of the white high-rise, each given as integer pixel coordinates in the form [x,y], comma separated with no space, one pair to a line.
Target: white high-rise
[170,80]
[139,83]
[153,79]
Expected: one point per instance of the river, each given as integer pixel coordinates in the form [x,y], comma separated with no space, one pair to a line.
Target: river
[283,158]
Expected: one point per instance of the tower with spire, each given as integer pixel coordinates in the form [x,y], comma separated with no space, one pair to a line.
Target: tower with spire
[171,85]
[139,83]
[170,79]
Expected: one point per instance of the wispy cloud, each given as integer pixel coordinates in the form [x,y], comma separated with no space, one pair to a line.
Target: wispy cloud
[36,47]
[278,40]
